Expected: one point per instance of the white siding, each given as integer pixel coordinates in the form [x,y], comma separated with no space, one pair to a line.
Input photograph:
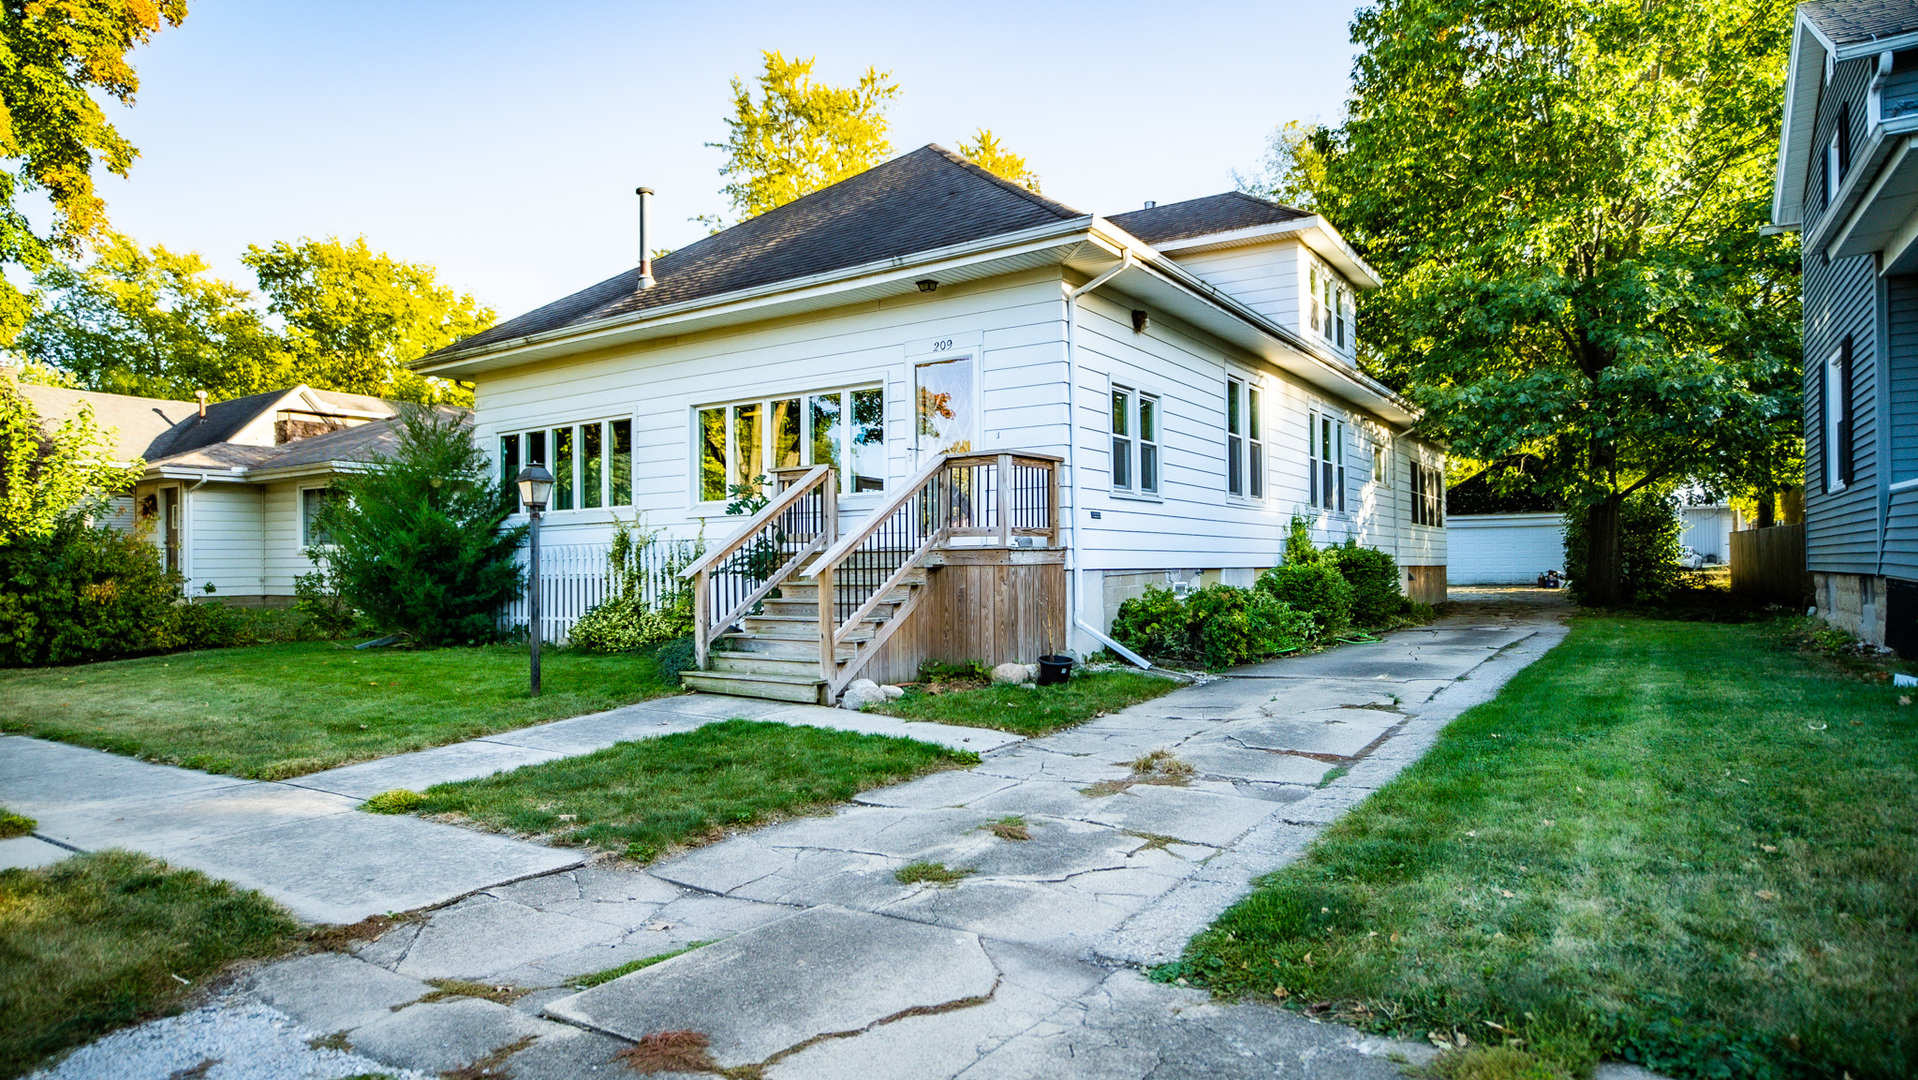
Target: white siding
[282,556]
[1263,277]
[1504,549]
[221,541]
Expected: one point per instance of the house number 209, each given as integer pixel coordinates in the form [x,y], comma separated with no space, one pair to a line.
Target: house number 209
[942,346]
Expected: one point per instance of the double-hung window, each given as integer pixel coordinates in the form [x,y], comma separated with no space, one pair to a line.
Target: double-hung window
[1325,458]
[591,463]
[1428,496]
[741,442]
[1312,291]
[313,500]
[1835,403]
[1135,441]
[1244,439]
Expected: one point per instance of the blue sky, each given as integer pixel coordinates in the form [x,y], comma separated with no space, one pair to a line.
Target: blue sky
[502,141]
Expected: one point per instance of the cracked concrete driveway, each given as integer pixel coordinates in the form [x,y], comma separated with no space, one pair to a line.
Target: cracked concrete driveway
[827,965]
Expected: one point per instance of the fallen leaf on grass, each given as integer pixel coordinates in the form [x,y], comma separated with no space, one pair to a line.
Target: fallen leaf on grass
[1281,993]
[1769,849]
[1767,894]
[1904,699]
[1507,894]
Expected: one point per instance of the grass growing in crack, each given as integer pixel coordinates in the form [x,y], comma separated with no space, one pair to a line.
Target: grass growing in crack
[1010,827]
[448,989]
[670,1051]
[1028,710]
[268,712]
[1333,774]
[337,938]
[493,1065]
[931,873]
[1154,842]
[100,941]
[654,794]
[1157,767]
[1689,847]
[590,980]
[339,1040]
[12,824]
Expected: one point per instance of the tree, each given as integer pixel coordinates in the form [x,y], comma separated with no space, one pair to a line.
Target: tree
[47,476]
[54,56]
[152,323]
[1293,171]
[799,136]
[986,151]
[353,318]
[1565,198]
[416,541]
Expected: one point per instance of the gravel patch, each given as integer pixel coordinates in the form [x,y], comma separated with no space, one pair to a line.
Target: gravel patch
[244,1042]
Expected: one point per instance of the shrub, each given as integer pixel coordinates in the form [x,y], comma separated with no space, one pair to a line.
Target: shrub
[1298,541]
[317,596]
[675,655]
[1220,626]
[1315,588]
[1648,546]
[1374,577]
[207,626]
[1154,624]
[417,540]
[623,621]
[84,593]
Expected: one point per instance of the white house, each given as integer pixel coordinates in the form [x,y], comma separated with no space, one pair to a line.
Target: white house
[229,489]
[1024,414]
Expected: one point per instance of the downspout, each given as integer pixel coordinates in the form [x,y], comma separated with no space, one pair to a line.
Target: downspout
[1073,569]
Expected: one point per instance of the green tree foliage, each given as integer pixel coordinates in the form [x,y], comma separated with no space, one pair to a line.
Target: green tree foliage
[50,476]
[1565,198]
[1293,171]
[796,136]
[55,56]
[355,317]
[416,541]
[1649,530]
[986,151]
[152,323]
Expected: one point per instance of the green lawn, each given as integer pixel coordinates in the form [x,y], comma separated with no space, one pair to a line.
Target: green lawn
[274,711]
[95,942]
[1677,843]
[1030,710]
[646,797]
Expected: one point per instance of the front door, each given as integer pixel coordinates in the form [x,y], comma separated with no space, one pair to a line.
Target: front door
[946,418]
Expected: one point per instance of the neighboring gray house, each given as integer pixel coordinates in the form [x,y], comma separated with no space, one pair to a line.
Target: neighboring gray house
[1848,181]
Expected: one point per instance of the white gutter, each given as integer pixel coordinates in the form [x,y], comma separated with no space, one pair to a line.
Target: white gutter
[1077,571]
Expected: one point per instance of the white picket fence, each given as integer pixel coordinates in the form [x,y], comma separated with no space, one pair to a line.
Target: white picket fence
[574,577]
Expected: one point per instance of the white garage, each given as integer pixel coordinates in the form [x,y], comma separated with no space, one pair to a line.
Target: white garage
[1503,549]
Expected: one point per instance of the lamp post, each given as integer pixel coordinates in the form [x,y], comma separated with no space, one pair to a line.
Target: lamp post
[535,484]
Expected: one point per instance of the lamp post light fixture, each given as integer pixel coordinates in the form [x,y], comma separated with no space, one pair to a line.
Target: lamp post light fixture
[535,484]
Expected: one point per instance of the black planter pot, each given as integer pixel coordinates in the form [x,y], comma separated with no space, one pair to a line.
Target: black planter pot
[1054,670]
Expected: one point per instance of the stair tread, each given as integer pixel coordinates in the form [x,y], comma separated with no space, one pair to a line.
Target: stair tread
[755,676]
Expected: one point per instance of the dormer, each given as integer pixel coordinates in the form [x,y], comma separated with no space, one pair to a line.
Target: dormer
[1289,266]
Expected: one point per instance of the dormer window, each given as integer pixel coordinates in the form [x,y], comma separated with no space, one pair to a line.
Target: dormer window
[1312,291]
[1838,154]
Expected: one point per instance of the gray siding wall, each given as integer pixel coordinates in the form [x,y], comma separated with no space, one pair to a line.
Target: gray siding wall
[1901,423]
[1840,300]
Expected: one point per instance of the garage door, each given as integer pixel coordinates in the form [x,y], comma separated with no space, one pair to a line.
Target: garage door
[1503,549]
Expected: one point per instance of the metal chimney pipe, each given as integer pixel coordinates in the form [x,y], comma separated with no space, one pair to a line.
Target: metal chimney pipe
[646,280]
[201,396]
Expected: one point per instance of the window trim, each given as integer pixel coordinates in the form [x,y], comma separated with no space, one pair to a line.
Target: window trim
[699,505]
[303,534]
[1835,405]
[549,451]
[1326,430]
[1427,486]
[1239,444]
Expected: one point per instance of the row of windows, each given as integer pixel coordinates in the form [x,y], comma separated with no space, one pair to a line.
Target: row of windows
[845,429]
[592,464]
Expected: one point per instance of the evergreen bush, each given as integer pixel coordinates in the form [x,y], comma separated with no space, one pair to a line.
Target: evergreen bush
[81,593]
[1316,588]
[417,542]
[1374,576]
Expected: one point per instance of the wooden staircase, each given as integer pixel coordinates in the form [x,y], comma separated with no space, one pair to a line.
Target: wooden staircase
[791,611]
[775,653]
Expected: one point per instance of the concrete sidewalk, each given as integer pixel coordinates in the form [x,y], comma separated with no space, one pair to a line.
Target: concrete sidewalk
[300,841]
[826,965]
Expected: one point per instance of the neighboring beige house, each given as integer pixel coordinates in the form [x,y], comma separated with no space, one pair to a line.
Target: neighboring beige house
[229,489]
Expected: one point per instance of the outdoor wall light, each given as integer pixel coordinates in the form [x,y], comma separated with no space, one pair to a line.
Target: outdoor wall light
[926,284]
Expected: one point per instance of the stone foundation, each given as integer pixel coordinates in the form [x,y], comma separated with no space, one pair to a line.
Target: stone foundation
[1854,603]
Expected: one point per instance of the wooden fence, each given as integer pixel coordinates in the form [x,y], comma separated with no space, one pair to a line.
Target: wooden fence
[574,577]
[1770,564]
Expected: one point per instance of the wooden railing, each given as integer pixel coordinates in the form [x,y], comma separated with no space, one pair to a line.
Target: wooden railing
[998,496]
[729,580]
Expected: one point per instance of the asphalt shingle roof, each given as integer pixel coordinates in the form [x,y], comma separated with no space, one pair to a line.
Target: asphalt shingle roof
[929,198]
[1203,217]
[1848,22]
[140,427]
